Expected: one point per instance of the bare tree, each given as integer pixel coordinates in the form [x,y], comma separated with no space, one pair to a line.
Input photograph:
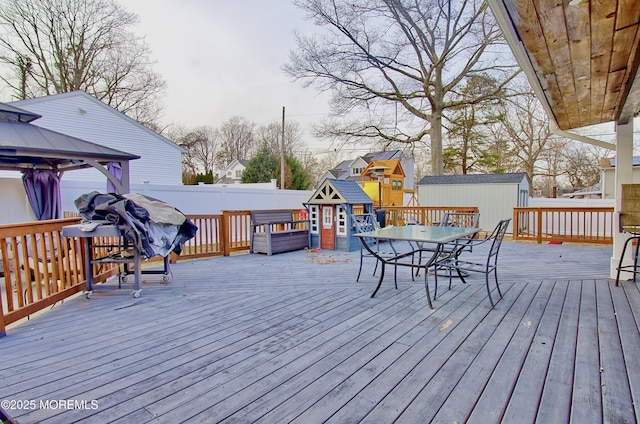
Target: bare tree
[201,146]
[527,129]
[271,134]
[57,46]
[399,63]
[581,164]
[237,141]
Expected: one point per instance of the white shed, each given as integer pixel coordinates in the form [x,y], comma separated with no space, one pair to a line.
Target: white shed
[83,116]
[495,195]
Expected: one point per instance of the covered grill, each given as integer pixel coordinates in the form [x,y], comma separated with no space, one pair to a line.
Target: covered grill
[145,227]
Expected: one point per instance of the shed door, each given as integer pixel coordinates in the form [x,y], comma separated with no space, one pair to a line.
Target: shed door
[327,236]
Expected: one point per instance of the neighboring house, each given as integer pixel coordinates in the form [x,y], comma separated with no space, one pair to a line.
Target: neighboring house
[495,195]
[592,192]
[608,176]
[353,169]
[340,172]
[83,116]
[233,173]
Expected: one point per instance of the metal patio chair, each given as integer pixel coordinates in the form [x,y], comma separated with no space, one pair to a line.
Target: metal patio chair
[451,261]
[629,223]
[367,222]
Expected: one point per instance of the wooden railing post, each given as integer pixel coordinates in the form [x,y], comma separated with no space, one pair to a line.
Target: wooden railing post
[3,331]
[539,231]
[226,237]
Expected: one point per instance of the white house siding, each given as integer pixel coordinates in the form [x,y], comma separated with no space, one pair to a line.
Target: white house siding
[608,181]
[494,201]
[409,173]
[79,115]
[15,207]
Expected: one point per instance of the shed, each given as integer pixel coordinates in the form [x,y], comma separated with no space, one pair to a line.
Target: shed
[81,115]
[495,195]
[330,208]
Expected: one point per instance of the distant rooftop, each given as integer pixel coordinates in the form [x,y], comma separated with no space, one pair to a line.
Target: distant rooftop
[516,177]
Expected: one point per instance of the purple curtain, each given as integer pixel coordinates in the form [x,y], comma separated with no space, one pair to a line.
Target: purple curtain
[43,192]
[114,169]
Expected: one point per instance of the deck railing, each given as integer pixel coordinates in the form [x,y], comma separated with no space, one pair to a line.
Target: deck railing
[422,215]
[564,224]
[41,267]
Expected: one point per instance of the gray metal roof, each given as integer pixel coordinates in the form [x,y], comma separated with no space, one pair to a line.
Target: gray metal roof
[385,155]
[636,161]
[506,178]
[23,145]
[15,114]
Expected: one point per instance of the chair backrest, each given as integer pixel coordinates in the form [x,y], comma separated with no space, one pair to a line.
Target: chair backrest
[498,235]
[630,208]
[364,223]
[460,219]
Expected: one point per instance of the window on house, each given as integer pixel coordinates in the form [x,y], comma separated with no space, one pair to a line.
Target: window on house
[238,173]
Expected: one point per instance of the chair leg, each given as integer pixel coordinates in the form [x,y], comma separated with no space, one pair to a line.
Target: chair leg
[635,260]
[624,249]
[426,287]
[379,281]
[495,275]
[395,276]
[435,278]
[489,290]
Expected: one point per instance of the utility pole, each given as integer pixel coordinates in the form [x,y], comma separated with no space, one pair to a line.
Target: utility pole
[282,154]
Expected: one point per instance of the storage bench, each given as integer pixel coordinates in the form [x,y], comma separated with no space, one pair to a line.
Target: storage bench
[275,231]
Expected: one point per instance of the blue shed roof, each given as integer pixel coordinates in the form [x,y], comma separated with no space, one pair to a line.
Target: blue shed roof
[339,192]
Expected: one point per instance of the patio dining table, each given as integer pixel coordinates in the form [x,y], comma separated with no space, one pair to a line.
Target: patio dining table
[418,236]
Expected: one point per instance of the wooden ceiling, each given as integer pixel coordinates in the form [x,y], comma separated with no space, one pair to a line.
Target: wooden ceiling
[583,55]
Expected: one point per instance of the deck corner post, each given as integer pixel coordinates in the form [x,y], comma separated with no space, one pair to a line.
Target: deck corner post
[225,233]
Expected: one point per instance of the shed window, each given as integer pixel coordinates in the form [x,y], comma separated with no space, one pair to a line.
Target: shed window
[314,218]
[341,214]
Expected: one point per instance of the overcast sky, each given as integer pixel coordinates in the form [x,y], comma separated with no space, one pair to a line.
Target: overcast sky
[223,58]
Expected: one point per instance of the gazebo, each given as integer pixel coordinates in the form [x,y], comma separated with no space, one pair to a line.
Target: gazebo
[43,156]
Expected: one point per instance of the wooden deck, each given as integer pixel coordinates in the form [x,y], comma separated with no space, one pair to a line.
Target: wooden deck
[293,338]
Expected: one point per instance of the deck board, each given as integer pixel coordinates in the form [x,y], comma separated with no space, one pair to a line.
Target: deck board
[629,339]
[293,338]
[525,397]
[586,398]
[555,400]
[616,393]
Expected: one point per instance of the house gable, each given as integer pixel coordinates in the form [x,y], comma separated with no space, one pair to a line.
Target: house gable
[337,192]
[357,167]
